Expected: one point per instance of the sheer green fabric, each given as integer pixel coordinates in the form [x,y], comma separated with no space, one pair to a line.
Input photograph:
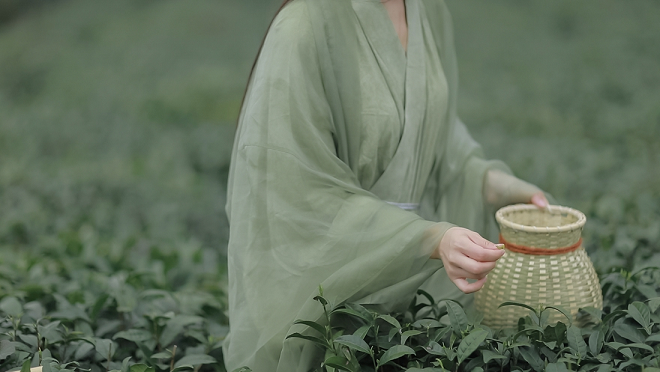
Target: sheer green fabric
[339,121]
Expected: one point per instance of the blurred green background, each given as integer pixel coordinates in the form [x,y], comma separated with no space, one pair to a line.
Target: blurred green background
[117,117]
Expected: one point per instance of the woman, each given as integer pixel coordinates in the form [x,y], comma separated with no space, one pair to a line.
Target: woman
[351,170]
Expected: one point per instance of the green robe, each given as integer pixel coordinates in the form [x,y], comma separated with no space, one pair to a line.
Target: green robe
[339,122]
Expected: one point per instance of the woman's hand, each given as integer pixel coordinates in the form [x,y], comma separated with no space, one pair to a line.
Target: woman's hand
[466,255]
[502,189]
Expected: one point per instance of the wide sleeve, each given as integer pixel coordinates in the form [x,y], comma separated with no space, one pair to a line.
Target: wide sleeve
[454,192]
[298,216]
[459,196]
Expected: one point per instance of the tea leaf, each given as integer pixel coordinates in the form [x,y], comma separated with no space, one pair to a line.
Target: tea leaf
[321,342]
[628,332]
[6,349]
[25,367]
[653,338]
[105,347]
[427,324]
[320,299]
[390,319]
[471,343]
[194,360]
[362,310]
[421,292]
[596,340]
[641,314]
[654,303]
[317,327]
[175,326]
[488,355]
[615,315]
[556,367]
[550,355]
[641,346]
[354,343]
[83,349]
[339,363]
[393,332]
[474,365]
[50,332]
[575,341]
[98,305]
[395,352]
[532,357]
[11,306]
[646,290]
[30,340]
[627,352]
[354,313]
[615,345]
[605,368]
[405,335]
[512,303]
[135,335]
[434,349]
[565,312]
[362,331]
[141,368]
[457,317]
[124,364]
[604,357]
[440,333]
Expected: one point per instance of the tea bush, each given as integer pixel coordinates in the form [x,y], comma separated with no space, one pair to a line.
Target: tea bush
[623,337]
[95,302]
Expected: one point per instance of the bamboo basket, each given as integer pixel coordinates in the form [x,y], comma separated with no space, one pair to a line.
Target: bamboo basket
[545,264]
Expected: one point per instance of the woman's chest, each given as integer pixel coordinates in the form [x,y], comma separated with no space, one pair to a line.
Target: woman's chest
[403,105]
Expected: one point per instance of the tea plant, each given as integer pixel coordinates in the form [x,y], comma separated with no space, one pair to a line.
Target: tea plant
[439,336]
[141,306]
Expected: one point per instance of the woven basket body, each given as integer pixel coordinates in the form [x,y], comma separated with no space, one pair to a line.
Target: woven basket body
[562,276]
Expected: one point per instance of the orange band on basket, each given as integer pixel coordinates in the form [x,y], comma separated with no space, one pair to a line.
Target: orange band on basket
[539,251]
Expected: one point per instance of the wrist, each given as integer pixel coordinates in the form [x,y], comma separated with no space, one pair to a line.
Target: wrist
[434,236]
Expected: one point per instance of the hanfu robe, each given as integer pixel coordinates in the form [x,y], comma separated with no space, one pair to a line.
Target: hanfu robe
[348,166]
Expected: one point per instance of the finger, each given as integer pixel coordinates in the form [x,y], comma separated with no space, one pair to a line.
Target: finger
[467,287]
[540,200]
[474,269]
[479,240]
[457,272]
[480,254]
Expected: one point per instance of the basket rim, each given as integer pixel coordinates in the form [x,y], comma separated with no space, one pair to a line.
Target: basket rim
[500,216]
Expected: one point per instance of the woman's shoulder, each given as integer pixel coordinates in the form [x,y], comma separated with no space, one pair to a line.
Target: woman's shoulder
[292,24]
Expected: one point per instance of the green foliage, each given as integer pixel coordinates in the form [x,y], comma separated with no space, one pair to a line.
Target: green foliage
[438,336]
[108,312]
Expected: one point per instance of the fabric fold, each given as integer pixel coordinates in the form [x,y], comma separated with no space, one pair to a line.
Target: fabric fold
[320,149]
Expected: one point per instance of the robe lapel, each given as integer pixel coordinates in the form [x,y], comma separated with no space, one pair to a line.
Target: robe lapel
[402,180]
[391,57]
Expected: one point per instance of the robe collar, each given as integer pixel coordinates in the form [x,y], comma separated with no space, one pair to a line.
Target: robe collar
[405,76]
[384,41]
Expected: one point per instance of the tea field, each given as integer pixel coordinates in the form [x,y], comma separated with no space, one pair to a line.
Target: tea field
[116,125]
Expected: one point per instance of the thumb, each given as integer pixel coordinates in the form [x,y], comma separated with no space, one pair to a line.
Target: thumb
[539,200]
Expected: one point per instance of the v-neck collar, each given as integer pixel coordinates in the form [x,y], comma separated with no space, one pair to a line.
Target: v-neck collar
[406,79]
[386,46]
